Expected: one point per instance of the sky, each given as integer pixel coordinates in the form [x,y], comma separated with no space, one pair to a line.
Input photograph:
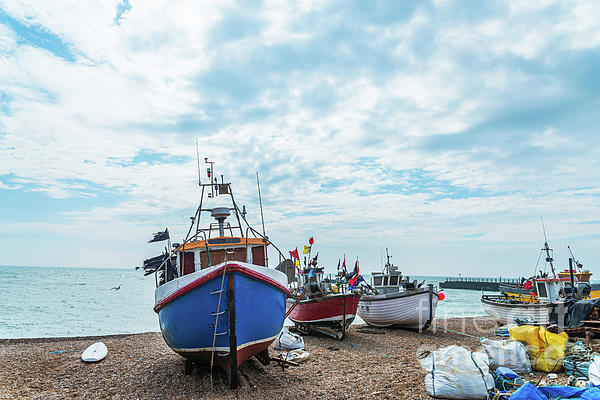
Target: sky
[442,130]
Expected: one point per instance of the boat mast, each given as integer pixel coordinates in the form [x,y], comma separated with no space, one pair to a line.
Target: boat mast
[387,264]
[547,249]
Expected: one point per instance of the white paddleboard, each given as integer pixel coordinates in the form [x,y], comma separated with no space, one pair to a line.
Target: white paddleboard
[95,352]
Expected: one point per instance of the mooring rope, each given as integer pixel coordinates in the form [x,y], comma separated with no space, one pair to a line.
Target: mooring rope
[458,333]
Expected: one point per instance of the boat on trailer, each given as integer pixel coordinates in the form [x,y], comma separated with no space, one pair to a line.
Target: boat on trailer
[394,301]
[217,301]
[319,305]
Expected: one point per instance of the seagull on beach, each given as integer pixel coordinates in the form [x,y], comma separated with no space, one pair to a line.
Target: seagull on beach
[116,287]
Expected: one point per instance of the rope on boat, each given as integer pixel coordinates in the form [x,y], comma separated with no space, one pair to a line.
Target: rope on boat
[212,354]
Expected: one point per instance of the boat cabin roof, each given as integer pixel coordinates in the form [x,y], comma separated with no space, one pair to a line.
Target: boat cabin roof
[224,242]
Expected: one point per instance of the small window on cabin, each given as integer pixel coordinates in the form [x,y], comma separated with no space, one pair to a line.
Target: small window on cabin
[542,289]
[377,280]
[385,280]
[394,280]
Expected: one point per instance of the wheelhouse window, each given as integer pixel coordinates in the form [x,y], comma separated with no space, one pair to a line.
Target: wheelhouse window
[377,280]
[394,280]
[542,289]
[218,256]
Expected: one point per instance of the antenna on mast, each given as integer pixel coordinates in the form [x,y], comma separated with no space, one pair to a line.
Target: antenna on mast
[261,207]
[198,160]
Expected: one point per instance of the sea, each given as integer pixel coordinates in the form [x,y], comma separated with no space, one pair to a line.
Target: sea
[65,302]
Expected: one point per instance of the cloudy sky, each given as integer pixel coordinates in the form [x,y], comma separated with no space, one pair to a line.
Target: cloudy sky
[443,130]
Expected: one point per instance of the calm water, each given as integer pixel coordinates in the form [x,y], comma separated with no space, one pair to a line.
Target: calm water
[55,302]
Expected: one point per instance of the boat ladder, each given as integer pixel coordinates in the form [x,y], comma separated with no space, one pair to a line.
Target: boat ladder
[216,314]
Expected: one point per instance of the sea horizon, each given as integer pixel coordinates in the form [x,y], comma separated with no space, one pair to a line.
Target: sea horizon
[93,306]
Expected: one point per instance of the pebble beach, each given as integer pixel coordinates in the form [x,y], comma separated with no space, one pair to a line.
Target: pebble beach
[368,363]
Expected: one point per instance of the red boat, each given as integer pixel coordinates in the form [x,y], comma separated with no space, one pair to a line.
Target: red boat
[320,305]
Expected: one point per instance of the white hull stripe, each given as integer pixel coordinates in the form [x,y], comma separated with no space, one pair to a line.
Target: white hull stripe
[336,318]
[200,349]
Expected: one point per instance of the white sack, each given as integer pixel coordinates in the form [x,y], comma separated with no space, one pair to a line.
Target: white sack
[507,353]
[288,341]
[295,355]
[594,371]
[456,373]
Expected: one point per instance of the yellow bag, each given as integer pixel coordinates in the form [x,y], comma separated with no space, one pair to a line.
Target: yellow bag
[546,349]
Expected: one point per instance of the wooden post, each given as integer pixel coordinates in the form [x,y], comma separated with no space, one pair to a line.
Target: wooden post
[344,319]
[430,287]
[232,338]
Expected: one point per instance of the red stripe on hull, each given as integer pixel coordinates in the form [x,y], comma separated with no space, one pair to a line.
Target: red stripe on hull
[325,307]
[213,274]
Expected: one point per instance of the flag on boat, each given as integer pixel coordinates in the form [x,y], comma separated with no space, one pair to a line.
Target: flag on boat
[160,236]
[356,277]
[358,280]
[306,249]
[343,270]
[311,241]
[294,254]
[338,267]
[314,260]
[297,262]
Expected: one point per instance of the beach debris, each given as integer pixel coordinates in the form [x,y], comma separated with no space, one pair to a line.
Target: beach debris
[546,350]
[57,352]
[116,287]
[95,353]
[507,353]
[454,372]
[288,341]
[506,379]
[371,331]
[529,391]
[296,356]
[577,360]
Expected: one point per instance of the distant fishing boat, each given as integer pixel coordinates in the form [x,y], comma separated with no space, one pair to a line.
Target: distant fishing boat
[539,298]
[217,301]
[319,305]
[394,301]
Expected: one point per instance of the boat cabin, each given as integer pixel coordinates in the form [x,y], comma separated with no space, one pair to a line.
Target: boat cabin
[201,254]
[391,279]
[312,279]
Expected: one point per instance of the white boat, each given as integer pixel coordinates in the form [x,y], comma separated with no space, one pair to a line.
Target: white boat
[396,302]
[502,309]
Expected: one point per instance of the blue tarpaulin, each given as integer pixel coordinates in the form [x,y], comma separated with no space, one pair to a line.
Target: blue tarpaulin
[530,392]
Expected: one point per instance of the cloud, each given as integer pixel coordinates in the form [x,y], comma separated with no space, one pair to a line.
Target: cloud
[423,123]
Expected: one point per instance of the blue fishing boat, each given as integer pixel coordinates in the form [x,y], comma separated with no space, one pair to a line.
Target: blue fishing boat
[217,301]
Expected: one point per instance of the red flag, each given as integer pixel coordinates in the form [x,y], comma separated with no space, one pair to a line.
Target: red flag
[311,241]
[352,280]
[294,254]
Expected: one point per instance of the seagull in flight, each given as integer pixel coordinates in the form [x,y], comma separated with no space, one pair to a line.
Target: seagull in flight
[116,287]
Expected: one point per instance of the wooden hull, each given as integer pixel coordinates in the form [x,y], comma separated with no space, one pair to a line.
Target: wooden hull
[330,314]
[411,309]
[507,312]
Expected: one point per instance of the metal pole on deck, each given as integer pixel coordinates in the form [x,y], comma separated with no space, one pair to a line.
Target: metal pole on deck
[572,279]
